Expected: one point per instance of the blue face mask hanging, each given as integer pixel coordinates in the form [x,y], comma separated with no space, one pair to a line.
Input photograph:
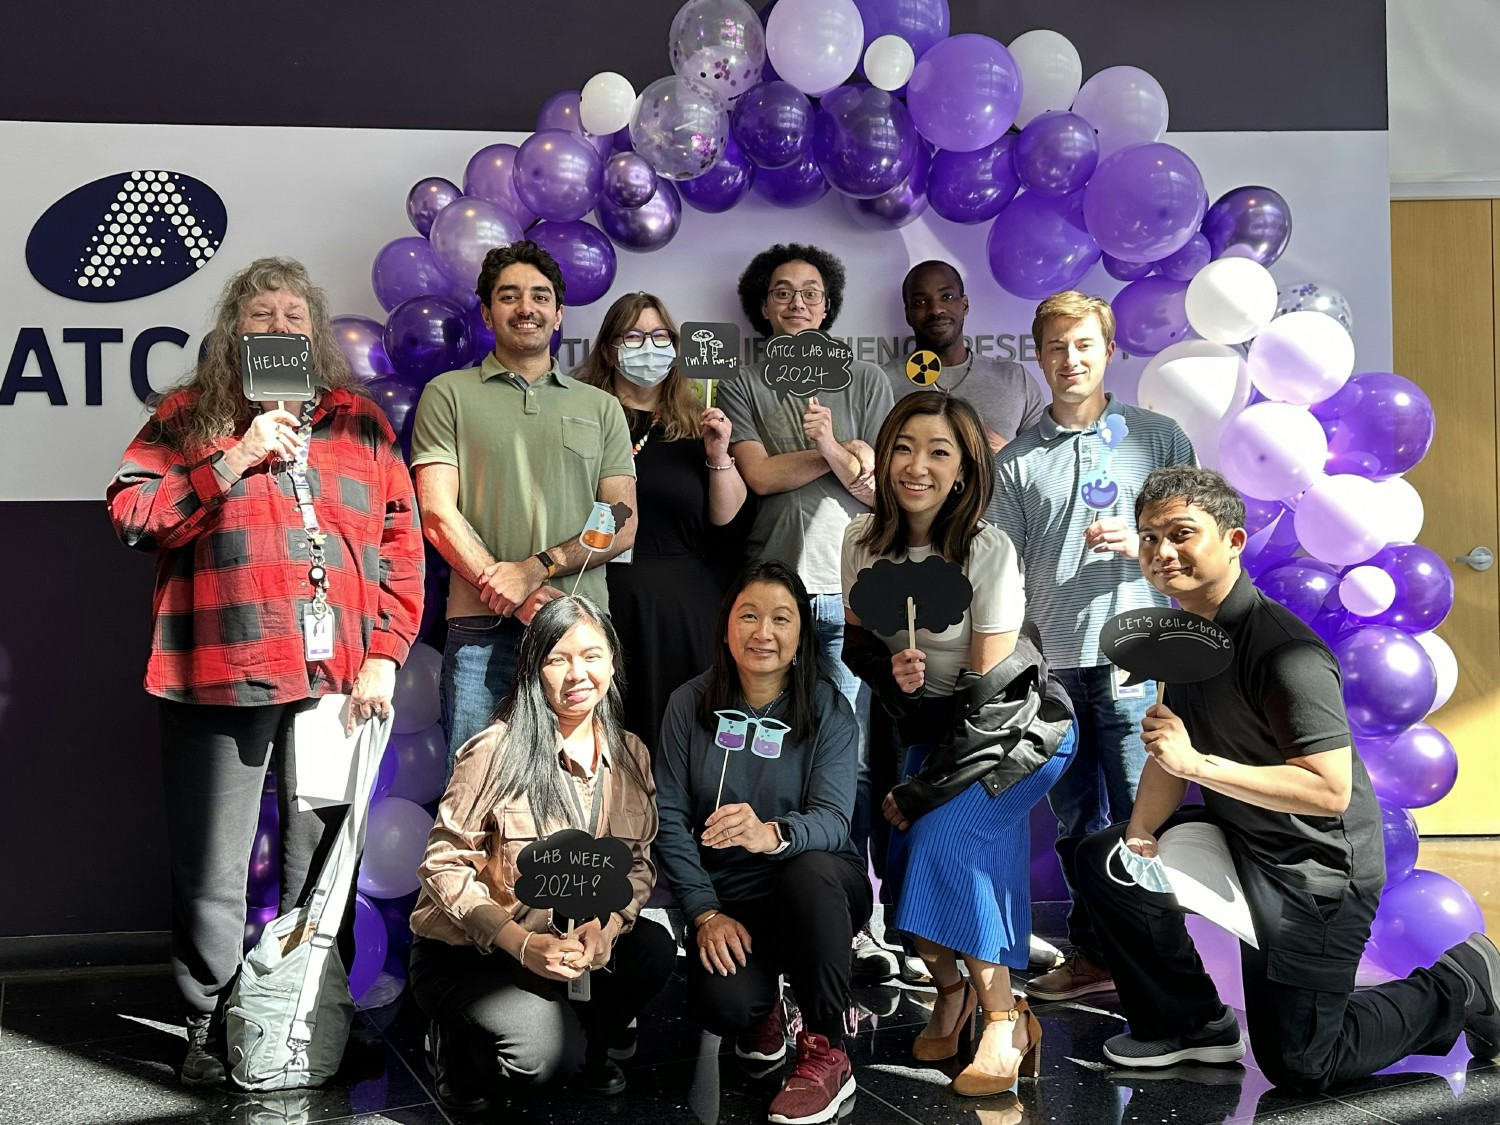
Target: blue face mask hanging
[1150,874]
[648,364]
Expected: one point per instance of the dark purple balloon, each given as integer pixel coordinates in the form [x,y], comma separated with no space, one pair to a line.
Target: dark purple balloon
[482,335]
[426,336]
[369,946]
[1274,543]
[972,187]
[397,915]
[773,124]
[920,22]
[1389,681]
[428,197]
[405,268]
[559,175]
[864,141]
[644,228]
[1260,513]
[1040,246]
[903,204]
[491,175]
[794,186]
[1415,769]
[398,397]
[1248,222]
[1398,829]
[1127,271]
[1378,425]
[584,254]
[1185,263]
[1056,153]
[263,886]
[629,180]
[723,185]
[560,111]
[1150,314]
[1424,587]
[1144,201]
[362,341]
[1301,585]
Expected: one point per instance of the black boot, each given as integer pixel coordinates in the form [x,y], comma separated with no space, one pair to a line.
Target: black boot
[456,1092]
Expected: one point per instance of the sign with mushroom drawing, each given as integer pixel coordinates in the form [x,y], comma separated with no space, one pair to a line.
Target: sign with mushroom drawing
[709,350]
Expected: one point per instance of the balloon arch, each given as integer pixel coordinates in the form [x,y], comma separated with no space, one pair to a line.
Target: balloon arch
[875,100]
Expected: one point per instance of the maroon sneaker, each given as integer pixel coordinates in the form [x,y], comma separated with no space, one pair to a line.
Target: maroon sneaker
[766,1041]
[821,1082]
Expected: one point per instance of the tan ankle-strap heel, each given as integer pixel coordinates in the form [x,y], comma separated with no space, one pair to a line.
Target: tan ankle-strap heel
[929,1049]
[975,1082]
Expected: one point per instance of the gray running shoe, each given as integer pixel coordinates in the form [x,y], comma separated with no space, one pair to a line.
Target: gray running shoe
[1219,1042]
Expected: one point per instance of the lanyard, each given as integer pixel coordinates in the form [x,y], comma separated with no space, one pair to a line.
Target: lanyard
[592,824]
[317,571]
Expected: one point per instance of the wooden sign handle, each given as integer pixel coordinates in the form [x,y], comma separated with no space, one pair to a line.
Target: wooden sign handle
[911,622]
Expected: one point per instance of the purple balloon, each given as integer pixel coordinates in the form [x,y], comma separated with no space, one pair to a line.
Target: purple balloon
[362,342]
[920,22]
[263,880]
[432,607]
[407,268]
[385,776]
[723,185]
[491,175]
[1398,828]
[1273,543]
[1040,246]
[427,336]
[1260,514]
[1248,222]
[1150,314]
[462,235]
[1056,153]
[1183,264]
[629,180]
[396,913]
[972,187]
[257,918]
[1378,425]
[1144,202]
[1127,271]
[583,253]
[561,111]
[421,761]
[964,92]
[1424,587]
[1415,769]
[864,141]
[1389,680]
[1421,918]
[398,398]
[369,947]
[903,204]
[1302,585]
[559,175]
[482,335]
[796,185]
[645,228]
[773,124]
[428,197]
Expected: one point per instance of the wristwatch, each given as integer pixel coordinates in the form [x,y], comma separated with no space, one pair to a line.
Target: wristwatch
[784,834]
[546,560]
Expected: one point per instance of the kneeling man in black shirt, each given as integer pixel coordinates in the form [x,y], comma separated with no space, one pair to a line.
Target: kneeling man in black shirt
[1267,740]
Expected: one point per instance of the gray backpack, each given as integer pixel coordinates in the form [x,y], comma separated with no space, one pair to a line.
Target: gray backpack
[289,1012]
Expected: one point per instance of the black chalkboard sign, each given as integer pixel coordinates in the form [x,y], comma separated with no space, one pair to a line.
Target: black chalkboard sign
[939,588]
[276,366]
[708,350]
[575,875]
[1171,645]
[808,363]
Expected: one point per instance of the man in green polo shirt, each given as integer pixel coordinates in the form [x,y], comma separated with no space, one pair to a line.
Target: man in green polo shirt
[509,458]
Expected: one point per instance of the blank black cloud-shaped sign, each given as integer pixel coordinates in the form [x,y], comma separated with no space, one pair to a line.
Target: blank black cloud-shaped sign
[939,587]
[575,875]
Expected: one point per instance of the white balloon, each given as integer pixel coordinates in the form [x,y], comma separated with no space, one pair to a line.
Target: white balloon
[1200,384]
[889,60]
[815,44]
[1444,663]
[1335,517]
[1230,300]
[1367,591]
[1051,73]
[1301,357]
[605,103]
[1404,510]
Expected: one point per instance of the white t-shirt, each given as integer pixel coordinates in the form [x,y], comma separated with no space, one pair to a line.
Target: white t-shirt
[999,604]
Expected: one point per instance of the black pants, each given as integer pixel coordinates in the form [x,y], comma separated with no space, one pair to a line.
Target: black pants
[1308,1026]
[804,929]
[214,767]
[507,1023]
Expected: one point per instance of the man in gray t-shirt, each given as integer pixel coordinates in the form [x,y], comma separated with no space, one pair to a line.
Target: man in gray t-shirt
[1008,399]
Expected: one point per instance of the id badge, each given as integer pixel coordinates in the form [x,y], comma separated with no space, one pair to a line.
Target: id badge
[580,989]
[1121,690]
[317,634]
[625,558]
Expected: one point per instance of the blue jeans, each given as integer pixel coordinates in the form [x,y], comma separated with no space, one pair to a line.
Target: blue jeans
[479,663]
[828,619]
[1098,789]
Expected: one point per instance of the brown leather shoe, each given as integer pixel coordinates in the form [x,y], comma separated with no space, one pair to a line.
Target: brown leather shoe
[1076,976]
[930,1048]
[975,1082]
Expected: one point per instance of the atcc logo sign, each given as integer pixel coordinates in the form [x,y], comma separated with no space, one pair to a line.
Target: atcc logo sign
[126,236]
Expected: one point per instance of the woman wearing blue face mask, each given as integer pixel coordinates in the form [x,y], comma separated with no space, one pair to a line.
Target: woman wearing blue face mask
[664,600]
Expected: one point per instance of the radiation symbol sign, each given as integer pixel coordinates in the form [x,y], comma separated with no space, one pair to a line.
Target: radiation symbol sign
[923,368]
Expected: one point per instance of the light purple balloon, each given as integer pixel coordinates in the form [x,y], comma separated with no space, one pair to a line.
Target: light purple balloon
[796,185]
[394,844]
[428,197]
[629,180]
[559,175]
[1056,153]
[1416,768]
[773,124]
[1150,314]
[1389,680]
[1144,202]
[864,141]
[1183,264]
[648,227]
[1125,105]
[1420,918]
[1249,222]
[1127,271]
[464,232]
[585,256]
[405,268]
[491,175]
[723,185]
[421,759]
[560,111]
[1270,448]
[361,341]
[920,22]
[903,204]
[1039,245]
[972,187]
[964,92]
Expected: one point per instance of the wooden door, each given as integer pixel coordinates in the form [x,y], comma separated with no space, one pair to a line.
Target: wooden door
[1445,279]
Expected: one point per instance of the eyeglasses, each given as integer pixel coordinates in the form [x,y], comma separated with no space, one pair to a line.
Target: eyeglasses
[812,298]
[633,339]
